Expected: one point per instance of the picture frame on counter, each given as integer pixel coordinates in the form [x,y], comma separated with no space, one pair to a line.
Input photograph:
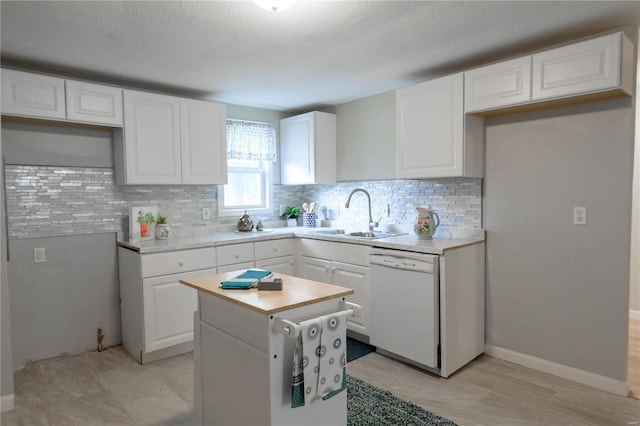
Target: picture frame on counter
[142,223]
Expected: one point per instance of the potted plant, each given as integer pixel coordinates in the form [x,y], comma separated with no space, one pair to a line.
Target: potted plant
[145,219]
[162,228]
[291,215]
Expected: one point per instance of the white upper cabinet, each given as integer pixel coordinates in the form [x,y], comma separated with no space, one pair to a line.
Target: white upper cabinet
[203,142]
[149,149]
[430,132]
[168,140]
[93,103]
[32,95]
[308,149]
[52,98]
[602,63]
[498,85]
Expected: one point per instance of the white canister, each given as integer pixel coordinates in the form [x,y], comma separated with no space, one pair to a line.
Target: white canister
[426,222]
[162,231]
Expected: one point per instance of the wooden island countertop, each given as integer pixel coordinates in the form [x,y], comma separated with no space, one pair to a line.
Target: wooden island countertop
[296,292]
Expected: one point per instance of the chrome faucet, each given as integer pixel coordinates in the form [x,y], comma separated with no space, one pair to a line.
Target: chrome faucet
[372,224]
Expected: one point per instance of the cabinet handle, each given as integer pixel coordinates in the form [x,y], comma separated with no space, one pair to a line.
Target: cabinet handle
[180,262]
[327,268]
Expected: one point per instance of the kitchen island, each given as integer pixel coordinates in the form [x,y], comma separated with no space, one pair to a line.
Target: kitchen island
[243,351]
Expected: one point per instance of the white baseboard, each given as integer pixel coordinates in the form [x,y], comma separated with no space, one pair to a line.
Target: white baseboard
[634,315]
[570,373]
[6,402]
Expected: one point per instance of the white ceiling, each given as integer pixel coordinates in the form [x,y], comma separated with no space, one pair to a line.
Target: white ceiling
[315,54]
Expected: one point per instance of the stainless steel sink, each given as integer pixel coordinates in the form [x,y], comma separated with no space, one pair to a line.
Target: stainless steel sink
[332,232]
[369,235]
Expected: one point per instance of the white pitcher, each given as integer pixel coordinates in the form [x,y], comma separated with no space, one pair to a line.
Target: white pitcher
[426,222]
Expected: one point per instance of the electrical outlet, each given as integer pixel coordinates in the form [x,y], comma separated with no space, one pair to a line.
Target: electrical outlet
[206,213]
[39,255]
[579,215]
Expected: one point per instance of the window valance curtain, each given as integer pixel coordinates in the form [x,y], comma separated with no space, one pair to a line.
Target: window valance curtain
[250,140]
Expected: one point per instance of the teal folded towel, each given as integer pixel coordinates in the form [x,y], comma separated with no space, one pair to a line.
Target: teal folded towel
[245,280]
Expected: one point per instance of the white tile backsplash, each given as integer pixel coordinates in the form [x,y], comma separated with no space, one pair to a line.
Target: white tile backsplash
[44,201]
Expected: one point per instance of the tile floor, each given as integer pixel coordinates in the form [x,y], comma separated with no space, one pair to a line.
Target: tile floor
[110,388]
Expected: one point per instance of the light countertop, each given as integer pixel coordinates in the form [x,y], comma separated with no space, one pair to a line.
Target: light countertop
[438,245]
[296,292]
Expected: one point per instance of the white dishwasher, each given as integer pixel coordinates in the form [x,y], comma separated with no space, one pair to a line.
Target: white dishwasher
[404,305]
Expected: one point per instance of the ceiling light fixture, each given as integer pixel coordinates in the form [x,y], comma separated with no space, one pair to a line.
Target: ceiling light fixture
[274,5]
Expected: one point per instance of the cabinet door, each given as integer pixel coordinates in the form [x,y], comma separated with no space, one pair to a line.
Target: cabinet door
[356,278]
[308,149]
[32,95]
[430,129]
[203,142]
[168,310]
[583,67]
[93,103]
[498,85]
[314,269]
[151,138]
[280,265]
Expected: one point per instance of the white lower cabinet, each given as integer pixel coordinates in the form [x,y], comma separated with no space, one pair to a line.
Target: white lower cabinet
[235,257]
[156,311]
[275,256]
[345,265]
[164,325]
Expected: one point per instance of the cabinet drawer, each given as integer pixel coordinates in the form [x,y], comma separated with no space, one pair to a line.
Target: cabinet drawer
[342,252]
[177,261]
[235,253]
[273,248]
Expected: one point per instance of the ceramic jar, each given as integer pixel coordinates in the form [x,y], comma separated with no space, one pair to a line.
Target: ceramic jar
[162,231]
[426,222]
[309,220]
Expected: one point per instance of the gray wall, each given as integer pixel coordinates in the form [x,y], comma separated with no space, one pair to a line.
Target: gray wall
[634,292]
[555,290]
[6,354]
[365,136]
[57,306]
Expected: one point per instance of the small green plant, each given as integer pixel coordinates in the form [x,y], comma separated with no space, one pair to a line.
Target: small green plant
[145,217]
[291,213]
[161,220]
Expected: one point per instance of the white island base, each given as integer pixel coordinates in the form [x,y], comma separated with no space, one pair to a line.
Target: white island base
[242,359]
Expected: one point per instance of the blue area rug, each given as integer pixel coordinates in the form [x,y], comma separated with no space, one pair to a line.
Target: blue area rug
[357,349]
[371,406]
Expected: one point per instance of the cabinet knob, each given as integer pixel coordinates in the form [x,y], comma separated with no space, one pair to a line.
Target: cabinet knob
[275,249]
[327,268]
[237,255]
[180,262]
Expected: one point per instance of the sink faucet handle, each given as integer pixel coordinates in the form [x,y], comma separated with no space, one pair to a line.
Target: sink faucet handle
[376,223]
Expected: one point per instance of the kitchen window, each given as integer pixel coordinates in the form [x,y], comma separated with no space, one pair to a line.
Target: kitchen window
[251,148]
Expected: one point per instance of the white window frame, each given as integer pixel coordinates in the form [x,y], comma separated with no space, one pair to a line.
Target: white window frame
[267,192]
